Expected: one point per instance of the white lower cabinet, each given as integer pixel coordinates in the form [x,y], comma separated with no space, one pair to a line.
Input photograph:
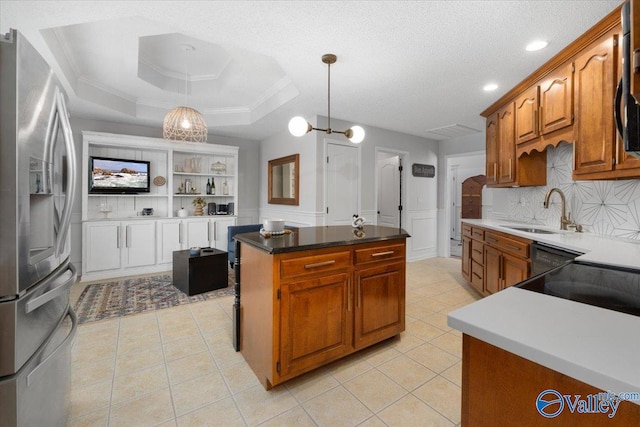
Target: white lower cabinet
[169,239]
[207,232]
[139,247]
[221,233]
[120,248]
[112,245]
[101,246]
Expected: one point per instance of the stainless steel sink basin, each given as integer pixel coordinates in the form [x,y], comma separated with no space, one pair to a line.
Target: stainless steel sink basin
[532,230]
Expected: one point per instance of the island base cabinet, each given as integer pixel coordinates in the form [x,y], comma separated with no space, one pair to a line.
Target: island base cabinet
[315,322]
[300,310]
[379,303]
[500,388]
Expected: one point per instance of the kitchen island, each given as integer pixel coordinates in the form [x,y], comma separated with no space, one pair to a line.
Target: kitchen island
[317,294]
[517,344]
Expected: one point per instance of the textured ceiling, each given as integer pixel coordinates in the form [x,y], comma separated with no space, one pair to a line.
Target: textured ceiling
[412,66]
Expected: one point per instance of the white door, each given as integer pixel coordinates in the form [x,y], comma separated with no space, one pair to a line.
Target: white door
[139,243]
[169,239]
[342,184]
[389,191]
[102,246]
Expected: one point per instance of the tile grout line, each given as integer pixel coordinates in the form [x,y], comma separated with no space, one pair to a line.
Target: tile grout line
[218,367]
[113,377]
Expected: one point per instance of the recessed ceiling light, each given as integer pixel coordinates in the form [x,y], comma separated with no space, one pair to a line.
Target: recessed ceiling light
[490,87]
[536,45]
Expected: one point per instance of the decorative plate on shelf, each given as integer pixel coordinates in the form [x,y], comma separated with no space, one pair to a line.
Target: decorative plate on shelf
[159,181]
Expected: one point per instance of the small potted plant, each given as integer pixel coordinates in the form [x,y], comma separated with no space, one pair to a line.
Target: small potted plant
[199,203]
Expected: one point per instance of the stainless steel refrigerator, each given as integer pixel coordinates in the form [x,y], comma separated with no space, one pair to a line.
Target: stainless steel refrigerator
[37,184]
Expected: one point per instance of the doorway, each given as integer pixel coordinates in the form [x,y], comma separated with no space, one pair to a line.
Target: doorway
[390,187]
[342,183]
[459,167]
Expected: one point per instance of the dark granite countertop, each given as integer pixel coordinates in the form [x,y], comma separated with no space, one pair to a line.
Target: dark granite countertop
[306,238]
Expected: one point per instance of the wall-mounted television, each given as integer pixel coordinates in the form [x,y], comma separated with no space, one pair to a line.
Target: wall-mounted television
[118,176]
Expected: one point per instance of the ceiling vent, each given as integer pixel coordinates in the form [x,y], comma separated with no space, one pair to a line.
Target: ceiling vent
[450,131]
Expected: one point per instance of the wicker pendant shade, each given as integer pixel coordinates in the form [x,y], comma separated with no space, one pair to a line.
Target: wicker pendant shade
[184,124]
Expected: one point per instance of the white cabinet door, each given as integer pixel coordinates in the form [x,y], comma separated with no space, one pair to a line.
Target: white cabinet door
[102,246]
[139,247]
[197,232]
[169,239]
[221,227]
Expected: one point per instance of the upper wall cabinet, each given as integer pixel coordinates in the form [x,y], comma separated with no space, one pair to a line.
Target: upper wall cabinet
[544,109]
[507,149]
[600,152]
[492,159]
[504,169]
[595,83]
[570,98]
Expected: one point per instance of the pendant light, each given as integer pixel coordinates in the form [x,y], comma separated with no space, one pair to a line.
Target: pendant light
[298,126]
[185,123]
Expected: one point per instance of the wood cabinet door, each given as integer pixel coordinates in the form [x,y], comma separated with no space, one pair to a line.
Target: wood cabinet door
[527,116]
[316,323]
[514,270]
[492,269]
[492,149]
[507,144]
[466,258]
[556,100]
[379,303]
[594,82]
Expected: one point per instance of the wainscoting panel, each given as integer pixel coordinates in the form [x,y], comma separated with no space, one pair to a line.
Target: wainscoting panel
[422,226]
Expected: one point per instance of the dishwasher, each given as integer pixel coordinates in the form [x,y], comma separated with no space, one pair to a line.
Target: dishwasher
[545,257]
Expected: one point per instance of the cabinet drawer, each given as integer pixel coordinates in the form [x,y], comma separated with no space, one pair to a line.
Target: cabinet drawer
[477,251]
[314,264]
[379,253]
[477,275]
[477,233]
[466,230]
[507,244]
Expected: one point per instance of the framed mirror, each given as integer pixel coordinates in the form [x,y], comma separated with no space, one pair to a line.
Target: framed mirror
[284,180]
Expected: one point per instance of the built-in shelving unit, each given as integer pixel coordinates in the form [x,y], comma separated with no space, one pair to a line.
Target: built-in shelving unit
[119,240]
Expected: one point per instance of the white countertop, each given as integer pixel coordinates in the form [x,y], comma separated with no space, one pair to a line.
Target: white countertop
[599,249]
[593,345]
[596,346]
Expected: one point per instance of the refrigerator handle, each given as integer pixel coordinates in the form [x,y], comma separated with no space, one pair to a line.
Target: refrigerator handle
[72,333]
[63,117]
[41,300]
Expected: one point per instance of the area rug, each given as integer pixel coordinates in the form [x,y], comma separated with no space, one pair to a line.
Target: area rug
[122,297]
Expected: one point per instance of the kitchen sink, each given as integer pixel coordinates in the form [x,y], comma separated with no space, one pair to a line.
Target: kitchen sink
[532,230]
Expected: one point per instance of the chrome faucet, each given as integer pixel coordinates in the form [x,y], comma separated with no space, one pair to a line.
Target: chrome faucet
[564,220]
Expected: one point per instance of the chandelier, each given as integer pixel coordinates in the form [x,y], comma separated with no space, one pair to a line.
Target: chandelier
[185,123]
[298,126]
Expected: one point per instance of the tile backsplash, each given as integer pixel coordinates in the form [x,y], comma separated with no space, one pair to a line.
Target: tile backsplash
[609,208]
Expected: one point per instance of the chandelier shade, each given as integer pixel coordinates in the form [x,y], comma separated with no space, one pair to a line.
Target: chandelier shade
[184,124]
[298,126]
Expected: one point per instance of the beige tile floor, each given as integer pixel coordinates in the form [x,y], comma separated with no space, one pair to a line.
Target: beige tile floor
[177,367]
